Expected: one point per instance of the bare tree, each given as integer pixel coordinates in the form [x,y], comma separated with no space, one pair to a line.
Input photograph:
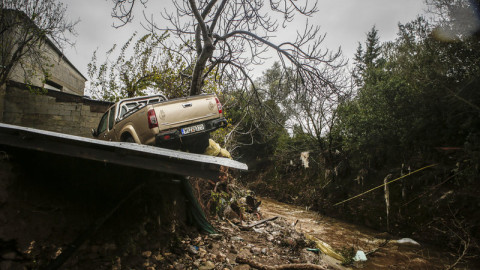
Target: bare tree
[229,37]
[25,27]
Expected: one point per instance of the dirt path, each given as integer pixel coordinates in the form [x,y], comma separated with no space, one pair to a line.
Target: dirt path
[344,235]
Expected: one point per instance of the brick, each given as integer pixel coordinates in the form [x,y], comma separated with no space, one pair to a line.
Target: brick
[13,108]
[76,113]
[67,118]
[56,117]
[60,112]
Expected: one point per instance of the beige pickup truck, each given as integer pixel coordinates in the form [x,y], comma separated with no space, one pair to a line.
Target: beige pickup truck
[182,123]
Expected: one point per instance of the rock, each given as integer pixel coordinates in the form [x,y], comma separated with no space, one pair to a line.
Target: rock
[270,238]
[259,230]
[208,265]
[289,242]
[192,250]
[179,266]
[158,257]
[233,249]
[237,238]
[197,240]
[221,257]
[147,254]
[197,263]
[264,251]
[216,236]
[256,250]
[236,221]
[215,246]
[241,267]
[202,252]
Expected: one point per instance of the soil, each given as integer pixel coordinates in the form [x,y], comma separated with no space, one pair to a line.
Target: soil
[341,236]
[41,219]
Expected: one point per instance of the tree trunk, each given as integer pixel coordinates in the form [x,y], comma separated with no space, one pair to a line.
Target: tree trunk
[197,76]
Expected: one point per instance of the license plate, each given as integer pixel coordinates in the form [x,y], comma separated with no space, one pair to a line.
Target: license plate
[193,129]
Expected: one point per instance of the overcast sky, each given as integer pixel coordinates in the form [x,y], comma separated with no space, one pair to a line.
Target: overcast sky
[345,22]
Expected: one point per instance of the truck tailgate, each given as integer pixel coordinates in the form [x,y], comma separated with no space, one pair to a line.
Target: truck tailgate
[181,112]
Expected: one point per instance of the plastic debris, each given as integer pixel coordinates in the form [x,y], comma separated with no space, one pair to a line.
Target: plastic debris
[314,250]
[408,241]
[324,247]
[214,149]
[360,256]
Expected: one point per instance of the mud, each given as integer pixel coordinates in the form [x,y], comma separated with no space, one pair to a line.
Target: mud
[342,235]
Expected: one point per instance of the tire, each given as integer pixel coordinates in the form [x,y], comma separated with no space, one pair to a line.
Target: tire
[196,143]
[128,139]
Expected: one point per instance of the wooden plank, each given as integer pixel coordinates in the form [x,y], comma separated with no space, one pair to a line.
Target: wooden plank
[127,154]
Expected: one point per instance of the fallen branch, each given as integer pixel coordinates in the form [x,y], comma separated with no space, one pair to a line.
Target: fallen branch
[247,227]
[296,266]
[378,248]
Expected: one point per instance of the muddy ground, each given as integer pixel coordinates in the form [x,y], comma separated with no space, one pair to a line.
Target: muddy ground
[43,220]
[275,243]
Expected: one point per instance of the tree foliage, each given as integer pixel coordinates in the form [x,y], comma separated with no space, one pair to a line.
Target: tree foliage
[418,93]
[228,37]
[141,66]
[281,123]
[259,122]
[25,29]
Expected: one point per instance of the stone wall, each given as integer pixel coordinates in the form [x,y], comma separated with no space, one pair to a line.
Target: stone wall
[50,110]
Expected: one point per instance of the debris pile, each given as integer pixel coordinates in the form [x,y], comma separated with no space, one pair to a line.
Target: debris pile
[272,243]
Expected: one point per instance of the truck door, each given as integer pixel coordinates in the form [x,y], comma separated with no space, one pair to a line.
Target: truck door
[110,133]
[102,127]
[106,126]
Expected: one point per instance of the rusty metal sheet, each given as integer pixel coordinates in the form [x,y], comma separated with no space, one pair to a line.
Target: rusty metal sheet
[128,154]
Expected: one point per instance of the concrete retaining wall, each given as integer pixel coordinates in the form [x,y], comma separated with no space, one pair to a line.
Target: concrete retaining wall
[50,110]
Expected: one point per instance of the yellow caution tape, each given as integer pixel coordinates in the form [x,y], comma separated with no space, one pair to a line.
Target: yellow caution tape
[361,194]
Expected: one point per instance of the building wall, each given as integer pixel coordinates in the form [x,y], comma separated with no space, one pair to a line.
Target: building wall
[62,72]
[53,111]
[65,74]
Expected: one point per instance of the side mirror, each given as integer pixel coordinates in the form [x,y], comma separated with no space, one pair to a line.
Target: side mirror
[94,132]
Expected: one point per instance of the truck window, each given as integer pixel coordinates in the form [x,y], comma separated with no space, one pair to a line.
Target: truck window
[123,111]
[111,118]
[102,126]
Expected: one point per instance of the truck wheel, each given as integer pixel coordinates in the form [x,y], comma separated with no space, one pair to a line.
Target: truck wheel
[128,138]
[197,143]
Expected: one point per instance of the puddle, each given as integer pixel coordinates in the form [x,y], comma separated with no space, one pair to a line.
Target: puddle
[340,235]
